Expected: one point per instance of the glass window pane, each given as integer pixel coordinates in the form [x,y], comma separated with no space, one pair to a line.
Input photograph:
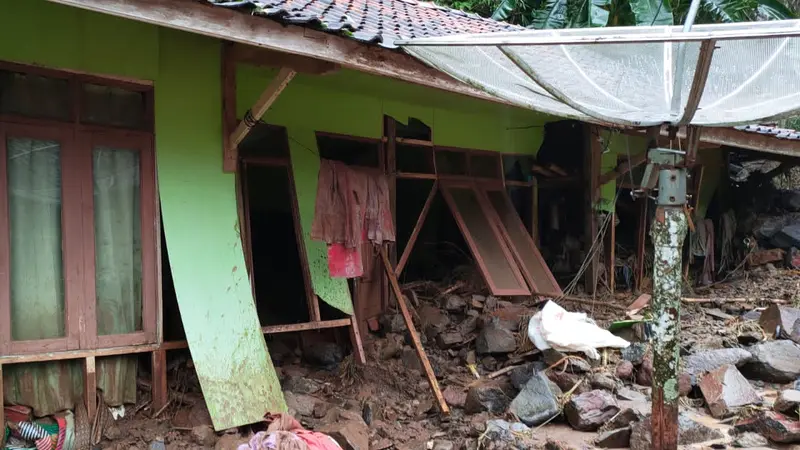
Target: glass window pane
[37,271]
[112,106]
[118,240]
[34,96]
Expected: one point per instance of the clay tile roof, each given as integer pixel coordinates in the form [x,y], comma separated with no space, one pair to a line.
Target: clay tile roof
[372,21]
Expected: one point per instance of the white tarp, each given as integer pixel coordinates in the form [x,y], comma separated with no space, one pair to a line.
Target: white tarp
[628,75]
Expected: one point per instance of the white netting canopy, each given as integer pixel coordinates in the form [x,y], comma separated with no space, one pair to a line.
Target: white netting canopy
[638,76]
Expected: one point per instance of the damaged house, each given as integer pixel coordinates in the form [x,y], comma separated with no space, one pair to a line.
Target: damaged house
[175,174]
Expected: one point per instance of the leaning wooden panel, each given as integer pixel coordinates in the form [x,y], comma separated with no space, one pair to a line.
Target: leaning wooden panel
[522,245]
[494,259]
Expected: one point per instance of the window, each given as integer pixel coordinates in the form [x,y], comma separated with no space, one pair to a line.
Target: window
[77,213]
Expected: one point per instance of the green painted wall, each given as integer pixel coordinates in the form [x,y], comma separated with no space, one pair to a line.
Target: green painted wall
[354,103]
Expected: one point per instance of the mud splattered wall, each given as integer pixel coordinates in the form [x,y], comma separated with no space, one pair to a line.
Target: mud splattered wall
[354,103]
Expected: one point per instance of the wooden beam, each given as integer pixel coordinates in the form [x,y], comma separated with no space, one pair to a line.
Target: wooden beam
[355,340]
[390,272]
[229,151]
[256,56]
[267,98]
[623,168]
[591,172]
[2,412]
[417,228]
[227,24]
[713,137]
[90,386]
[159,391]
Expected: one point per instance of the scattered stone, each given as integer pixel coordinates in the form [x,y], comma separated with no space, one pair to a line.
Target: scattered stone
[775,361]
[750,440]
[204,435]
[685,383]
[635,353]
[626,393]
[600,381]
[327,355]
[589,411]
[619,438]
[536,402]
[574,365]
[748,338]
[622,419]
[302,385]
[718,314]
[761,257]
[500,434]
[778,321]
[490,304]
[486,396]
[489,362]
[301,404]
[726,390]
[468,325]
[714,359]
[321,409]
[442,445]
[624,370]
[394,323]
[448,340]
[495,339]
[788,402]
[772,425]
[455,397]
[477,301]
[689,432]
[347,428]
[410,359]
[787,237]
[752,315]
[520,375]
[454,303]
[644,376]
[433,318]
[229,441]
[566,381]
[157,445]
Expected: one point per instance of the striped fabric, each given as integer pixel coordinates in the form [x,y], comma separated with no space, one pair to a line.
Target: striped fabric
[31,431]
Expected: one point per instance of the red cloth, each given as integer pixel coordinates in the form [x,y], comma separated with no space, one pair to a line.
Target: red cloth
[344,262]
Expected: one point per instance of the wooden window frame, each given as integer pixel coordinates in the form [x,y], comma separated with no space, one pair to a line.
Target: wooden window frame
[77,145]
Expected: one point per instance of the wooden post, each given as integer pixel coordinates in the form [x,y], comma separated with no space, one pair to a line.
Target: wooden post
[641,244]
[413,332]
[417,228]
[159,391]
[90,386]
[355,339]
[591,172]
[2,412]
[610,253]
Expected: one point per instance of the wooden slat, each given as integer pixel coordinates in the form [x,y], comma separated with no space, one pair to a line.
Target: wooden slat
[355,339]
[390,272]
[417,228]
[158,389]
[90,386]
[622,168]
[267,98]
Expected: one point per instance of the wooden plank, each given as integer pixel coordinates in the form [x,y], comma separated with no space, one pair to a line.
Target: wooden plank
[419,142]
[535,213]
[230,151]
[158,386]
[390,272]
[90,386]
[610,253]
[641,243]
[256,56]
[227,24]
[76,354]
[591,174]
[355,339]
[2,412]
[260,107]
[417,228]
[622,168]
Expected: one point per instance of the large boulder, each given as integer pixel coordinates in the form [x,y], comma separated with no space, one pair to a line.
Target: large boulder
[495,339]
[726,390]
[714,359]
[536,402]
[486,396]
[774,361]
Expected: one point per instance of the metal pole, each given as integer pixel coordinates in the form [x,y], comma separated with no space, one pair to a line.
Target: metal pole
[668,232]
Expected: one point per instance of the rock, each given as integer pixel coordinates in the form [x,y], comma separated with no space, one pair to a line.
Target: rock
[230,442]
[468,325]
[726,390]
[574,365]
[775,361]
[589,411]
[600,381]
[778,321]
[566,381]
[626,393]
[787,402]
[748,338]
[321,409]
[433,319]
[689,432]
[772,425]
[410,359]
[347,428]
[301,385]
[536,402]
[490,304]
[500,434]
[327,355]
[520,375]
[761,257]
[709,360]
[489,363]
[393,323]
[619,438]
[442,445]
[750,440]
[622,419]
[157,445]
[635,352]
[685,383]
[204,435]
[454,396]
[448,340]
[301,404]
[792,260]
[718,314]
[495,339]
[454,303]
[644,376]
[486,396]
[787,237]
[477,301]
[624,370]
[752,315]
